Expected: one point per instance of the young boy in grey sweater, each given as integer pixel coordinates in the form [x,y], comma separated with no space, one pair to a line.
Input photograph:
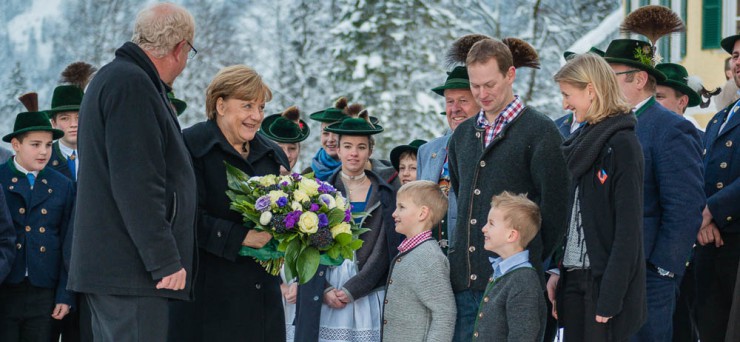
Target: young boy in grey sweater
[513,308]
[419,304]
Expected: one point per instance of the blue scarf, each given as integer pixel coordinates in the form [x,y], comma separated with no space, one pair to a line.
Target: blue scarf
[323,165]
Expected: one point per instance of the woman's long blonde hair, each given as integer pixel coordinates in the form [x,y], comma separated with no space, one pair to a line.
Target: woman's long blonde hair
[589,68]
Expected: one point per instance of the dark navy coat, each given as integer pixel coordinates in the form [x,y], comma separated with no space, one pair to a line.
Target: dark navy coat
[722,170]
[674,194]
[7,239]
[41,218]
[59,162]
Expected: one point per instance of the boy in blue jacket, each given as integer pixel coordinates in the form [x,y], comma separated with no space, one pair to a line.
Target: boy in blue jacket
[40,201]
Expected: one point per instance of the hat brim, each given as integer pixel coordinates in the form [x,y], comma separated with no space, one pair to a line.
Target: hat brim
[728,43]
[264,130]
[363,132]
[659,76]
[66,108]
[55,133]
[451,85]
[398,151]
[694,98]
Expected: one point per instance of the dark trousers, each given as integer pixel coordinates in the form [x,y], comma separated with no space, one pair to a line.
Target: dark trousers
[684,323]
[578,314]
[467,303]
[76,326]
[716,270]
[128,318]
[25,312]
[661,303]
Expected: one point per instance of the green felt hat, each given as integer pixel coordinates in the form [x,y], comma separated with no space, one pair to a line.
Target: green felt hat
[676,78]
[355,126]
[398,150]
[331,114]
[282,127]
[443,113]
[66,98]
[32,122]
[728,43]
[569,54]
[456,79]
[180,105]
[635,53]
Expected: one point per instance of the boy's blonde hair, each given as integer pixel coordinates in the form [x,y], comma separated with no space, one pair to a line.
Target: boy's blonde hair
[427,194]
[521,212]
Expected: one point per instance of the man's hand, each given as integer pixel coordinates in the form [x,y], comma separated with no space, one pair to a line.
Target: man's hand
[602,319]
[343,297]
[552,284]
[175,281]
[256,239]
[708,234]
[60,310]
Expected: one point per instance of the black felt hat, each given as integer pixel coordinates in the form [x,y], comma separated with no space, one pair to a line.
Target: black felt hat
[398,150]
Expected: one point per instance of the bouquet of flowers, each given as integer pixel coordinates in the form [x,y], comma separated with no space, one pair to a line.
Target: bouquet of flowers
[309,220]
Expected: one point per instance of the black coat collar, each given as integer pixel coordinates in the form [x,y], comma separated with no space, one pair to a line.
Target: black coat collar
[202,141]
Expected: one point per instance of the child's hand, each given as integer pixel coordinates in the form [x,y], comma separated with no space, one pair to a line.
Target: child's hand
[602,319]
[330,299]
[60,310]
[552,284]
[343,297]
[291,293]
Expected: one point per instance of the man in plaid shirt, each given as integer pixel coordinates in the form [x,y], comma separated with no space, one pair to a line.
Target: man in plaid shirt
[508,147]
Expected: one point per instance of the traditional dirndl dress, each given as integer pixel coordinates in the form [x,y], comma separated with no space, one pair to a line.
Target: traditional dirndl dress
[289,310]
[359,321]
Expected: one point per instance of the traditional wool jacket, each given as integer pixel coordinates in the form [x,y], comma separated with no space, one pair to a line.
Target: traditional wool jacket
[524,158]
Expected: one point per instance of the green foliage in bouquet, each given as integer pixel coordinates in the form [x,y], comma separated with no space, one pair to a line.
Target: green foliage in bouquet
[309,220]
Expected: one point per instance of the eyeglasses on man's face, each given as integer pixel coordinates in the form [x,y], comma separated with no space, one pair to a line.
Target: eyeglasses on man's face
[192,52]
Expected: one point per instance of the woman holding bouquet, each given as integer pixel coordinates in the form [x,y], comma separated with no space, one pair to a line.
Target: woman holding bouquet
[235,298]
[344,303]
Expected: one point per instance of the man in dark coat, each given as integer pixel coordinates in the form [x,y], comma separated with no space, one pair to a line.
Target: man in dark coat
[506,147]
[672,184]
[718,251]
[133,245]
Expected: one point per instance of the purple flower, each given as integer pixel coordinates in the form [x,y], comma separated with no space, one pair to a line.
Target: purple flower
[263,203]
[314,207]
[296,177]
[323,220]
[281,202]
[326,188]
[283,184]
[291,219]
[347,216]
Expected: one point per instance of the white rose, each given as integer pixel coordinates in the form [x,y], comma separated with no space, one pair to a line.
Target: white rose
[309,186]
[341,204]
[296,206]
[268,180]
[301,196]
[265,218]
[343,227]
[308,222]
[275,196]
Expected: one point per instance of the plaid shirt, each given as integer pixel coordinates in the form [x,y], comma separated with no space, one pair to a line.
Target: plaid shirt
[493,129]
[410,243]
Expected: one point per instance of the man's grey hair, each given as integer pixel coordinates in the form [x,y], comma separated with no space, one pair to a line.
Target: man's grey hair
[160,27]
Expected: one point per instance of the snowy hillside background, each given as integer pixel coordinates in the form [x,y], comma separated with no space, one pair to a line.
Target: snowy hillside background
[383,54]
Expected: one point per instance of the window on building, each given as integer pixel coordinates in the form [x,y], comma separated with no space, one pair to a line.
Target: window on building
[711,14]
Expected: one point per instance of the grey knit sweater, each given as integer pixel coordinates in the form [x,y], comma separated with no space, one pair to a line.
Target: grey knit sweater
[419,304]
[524,158]
[513,308]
